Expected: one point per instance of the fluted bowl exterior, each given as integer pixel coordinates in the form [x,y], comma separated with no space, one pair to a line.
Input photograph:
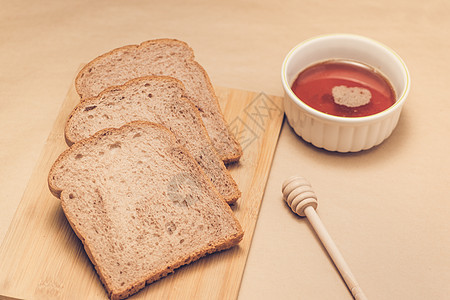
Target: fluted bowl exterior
[343,134]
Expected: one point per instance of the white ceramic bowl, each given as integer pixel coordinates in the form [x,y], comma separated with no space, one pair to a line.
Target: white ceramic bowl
[343,134]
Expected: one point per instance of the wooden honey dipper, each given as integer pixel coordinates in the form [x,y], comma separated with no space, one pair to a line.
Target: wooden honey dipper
[300,197]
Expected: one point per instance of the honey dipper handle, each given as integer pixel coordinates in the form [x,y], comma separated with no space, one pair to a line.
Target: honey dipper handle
[334,253]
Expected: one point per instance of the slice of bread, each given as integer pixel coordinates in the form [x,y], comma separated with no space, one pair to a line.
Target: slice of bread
[160,100]
[140,204]
[162,57]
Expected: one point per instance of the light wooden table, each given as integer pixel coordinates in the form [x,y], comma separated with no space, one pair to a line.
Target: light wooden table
[388,209]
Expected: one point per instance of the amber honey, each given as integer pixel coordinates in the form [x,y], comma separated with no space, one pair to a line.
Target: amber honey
[314,86]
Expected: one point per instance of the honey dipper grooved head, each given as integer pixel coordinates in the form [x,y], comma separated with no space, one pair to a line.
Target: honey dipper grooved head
[298,194]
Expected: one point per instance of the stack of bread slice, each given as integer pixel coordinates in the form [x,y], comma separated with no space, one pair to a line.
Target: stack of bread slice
[144,183]
[162,57]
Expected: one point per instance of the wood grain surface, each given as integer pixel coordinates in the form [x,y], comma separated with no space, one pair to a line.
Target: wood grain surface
[41,257]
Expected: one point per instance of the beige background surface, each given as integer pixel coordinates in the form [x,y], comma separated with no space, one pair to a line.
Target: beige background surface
[387,209]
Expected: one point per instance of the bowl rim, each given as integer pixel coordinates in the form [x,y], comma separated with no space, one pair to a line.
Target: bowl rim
[349,120]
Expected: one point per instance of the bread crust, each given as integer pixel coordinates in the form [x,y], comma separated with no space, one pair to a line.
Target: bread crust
[232,158]
[229,156]
[139,284]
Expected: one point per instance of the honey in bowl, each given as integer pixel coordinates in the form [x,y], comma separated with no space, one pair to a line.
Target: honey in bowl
[344,88]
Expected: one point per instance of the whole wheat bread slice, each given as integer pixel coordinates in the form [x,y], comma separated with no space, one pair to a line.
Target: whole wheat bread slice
[167,57]
[140,204]
[160,100]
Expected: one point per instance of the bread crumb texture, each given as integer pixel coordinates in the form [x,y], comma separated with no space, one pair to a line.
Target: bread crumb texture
[162,57]
[160,100]
[351,96]
[140,204]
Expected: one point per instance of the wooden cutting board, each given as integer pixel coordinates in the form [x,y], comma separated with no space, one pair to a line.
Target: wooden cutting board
[41,257]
